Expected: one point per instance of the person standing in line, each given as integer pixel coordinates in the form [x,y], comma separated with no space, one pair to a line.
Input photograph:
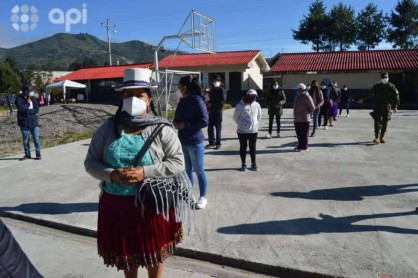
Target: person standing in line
[333,111]
[247,114]
[318,100]
[275,101]
[27,119]
[217,100]
[326,92]
[191,116]
[130,236]
[386,100]
[337,98]
[303,106]
[345,100]
[11,102]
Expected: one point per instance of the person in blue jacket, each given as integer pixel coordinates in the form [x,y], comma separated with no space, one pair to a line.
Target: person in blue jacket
[27,119]
[190,117]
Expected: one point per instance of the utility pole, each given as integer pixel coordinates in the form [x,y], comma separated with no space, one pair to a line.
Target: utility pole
[109,28]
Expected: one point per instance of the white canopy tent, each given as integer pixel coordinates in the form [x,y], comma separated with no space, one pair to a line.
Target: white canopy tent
[63,85]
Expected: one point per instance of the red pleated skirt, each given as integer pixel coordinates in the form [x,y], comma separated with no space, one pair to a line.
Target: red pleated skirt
[127,240]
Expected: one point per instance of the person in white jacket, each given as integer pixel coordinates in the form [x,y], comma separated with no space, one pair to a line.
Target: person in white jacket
[247,114]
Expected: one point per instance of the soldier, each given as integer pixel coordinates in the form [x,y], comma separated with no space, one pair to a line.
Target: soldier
[386,99]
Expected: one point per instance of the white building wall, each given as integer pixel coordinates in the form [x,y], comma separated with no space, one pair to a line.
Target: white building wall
[352,80]
[252,78]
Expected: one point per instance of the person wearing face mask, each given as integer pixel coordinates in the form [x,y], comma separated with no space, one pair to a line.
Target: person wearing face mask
[275,100]
[386,100]
[318,100]
[303,106]
[326,105]
[247,114]
[27,119]
[191,116]
[345,100]
[131,236]
[217,99]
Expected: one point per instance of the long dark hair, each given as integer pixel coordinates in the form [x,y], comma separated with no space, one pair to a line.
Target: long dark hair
[192,85]
[116,118]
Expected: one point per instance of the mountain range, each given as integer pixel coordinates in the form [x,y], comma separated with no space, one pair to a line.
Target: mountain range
[58,51]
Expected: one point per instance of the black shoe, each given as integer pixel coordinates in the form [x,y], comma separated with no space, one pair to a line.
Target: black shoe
[218,147]
[25,157]
[243,167]
[38,156]
[313,134]
[254,167]
[210,146]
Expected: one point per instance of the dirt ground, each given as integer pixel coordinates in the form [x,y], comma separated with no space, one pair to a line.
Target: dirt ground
[59,124]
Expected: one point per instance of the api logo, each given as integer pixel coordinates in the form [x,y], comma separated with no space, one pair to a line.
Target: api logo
[24,18]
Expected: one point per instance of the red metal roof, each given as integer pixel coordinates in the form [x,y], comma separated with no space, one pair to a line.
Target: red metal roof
[209,59]
[107,72]
[347,60]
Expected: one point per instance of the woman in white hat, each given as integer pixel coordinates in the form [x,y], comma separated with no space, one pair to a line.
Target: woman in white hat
[128,236]
[247,114]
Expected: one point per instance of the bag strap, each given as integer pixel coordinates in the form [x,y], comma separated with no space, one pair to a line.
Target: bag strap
[148,143]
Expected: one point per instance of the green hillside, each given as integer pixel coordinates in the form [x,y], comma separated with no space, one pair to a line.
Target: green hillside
[60,50]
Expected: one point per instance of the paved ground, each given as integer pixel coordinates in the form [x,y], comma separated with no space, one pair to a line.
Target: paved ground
[346,208]
[60,254]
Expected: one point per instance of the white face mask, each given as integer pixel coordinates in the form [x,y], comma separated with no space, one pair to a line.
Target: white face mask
[31,94]
[217,83]
[275,87]
[385,80]
[134,106]
[178,93]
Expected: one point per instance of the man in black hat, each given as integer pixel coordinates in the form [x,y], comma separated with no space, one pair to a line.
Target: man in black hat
[386,99]
[27,108]
[217,99]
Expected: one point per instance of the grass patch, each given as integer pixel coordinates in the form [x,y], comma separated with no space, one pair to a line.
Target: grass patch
[70,136]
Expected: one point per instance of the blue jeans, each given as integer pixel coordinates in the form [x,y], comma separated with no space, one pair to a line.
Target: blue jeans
[194,159]
[315,115]
[35,135]
[215,122]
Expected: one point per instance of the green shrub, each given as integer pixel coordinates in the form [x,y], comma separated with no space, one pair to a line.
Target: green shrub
[228,106]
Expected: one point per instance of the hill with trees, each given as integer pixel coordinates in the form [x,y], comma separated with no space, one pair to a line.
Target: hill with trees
[65,51]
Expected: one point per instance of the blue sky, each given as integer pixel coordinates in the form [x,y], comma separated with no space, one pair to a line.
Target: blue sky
[240,24]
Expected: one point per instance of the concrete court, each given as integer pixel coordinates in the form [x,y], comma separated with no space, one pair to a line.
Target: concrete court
[345,208]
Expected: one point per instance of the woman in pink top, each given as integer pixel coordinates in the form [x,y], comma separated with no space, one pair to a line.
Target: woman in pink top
[303,106]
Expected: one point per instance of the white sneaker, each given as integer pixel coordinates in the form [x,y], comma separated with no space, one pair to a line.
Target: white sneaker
[326,127]
[348,116]
[278,135]
[201,203]
[268,136]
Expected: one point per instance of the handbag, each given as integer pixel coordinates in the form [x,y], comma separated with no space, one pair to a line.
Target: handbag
[162,193]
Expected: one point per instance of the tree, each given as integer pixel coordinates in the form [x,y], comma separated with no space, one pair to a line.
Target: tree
[313,28]
[371,26]
[342,30]
[9,80]
[403,32]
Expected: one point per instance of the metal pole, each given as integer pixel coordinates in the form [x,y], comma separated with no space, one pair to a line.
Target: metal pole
[108,26]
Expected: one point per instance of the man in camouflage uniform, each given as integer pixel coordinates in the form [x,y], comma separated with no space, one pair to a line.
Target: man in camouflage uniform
[386,99]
